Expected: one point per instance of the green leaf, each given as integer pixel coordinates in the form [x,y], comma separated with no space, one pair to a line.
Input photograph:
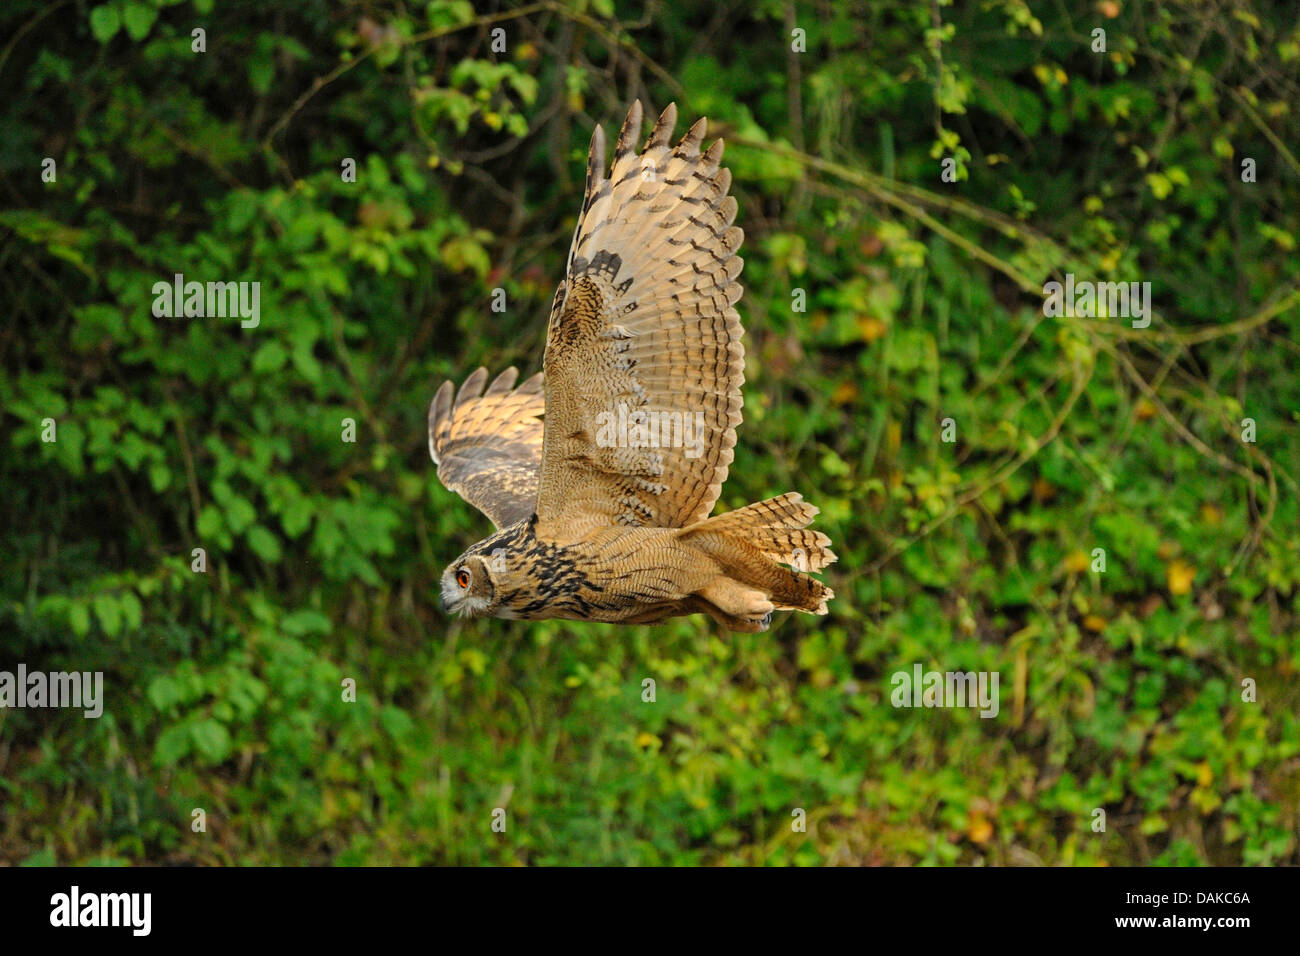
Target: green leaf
[211,740]
[397,722]
[296,517]
[270,357]
[79,618]
[131,610]
[305,362]
[209,524]
[160,476]
[463,253]
[104,22]
[172,746]
[164,692]
[261,72]
[301,623]
[239,514]
[139,19]
[109,614]
[264,544]
[449,13]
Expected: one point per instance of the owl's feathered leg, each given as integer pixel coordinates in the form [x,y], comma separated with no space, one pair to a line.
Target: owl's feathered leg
[737,602]
[698,605]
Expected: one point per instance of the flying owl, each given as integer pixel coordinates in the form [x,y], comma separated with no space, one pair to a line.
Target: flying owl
[600,472]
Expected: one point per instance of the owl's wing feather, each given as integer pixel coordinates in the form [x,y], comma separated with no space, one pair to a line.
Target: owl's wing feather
[488,444]
[644,331]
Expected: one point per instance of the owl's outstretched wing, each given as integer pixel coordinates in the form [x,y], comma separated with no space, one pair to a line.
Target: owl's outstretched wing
[644,360]
[488,445]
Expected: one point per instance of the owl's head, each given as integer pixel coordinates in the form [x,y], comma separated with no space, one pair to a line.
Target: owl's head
[467,586]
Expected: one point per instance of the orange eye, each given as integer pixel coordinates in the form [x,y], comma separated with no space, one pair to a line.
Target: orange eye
[462,577]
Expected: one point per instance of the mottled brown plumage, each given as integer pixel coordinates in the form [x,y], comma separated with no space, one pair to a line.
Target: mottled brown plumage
[603,506]
[488,446]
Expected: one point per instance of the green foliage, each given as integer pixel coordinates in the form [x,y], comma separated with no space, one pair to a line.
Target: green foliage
[224,689]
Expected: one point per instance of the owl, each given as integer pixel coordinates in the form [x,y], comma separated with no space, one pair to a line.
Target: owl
[601,472]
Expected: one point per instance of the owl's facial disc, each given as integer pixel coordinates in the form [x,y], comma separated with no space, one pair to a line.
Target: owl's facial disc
[467,587]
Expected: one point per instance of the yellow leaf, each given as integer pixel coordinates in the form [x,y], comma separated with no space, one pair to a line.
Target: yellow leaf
[893,436]
[871,328]
[978,828]
[1076,562]
[844,393]
[1094,623]
[1160,184]
[1180,575]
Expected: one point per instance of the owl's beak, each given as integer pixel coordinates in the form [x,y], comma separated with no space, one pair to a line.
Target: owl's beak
[448,596]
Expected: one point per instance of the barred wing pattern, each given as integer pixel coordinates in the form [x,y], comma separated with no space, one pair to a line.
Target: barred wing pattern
[644,323]
[488,444]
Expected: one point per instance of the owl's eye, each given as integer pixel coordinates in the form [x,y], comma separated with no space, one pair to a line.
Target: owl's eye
[462,577]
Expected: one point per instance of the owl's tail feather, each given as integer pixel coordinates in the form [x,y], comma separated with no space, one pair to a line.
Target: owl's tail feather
[777,527]
[750,545]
